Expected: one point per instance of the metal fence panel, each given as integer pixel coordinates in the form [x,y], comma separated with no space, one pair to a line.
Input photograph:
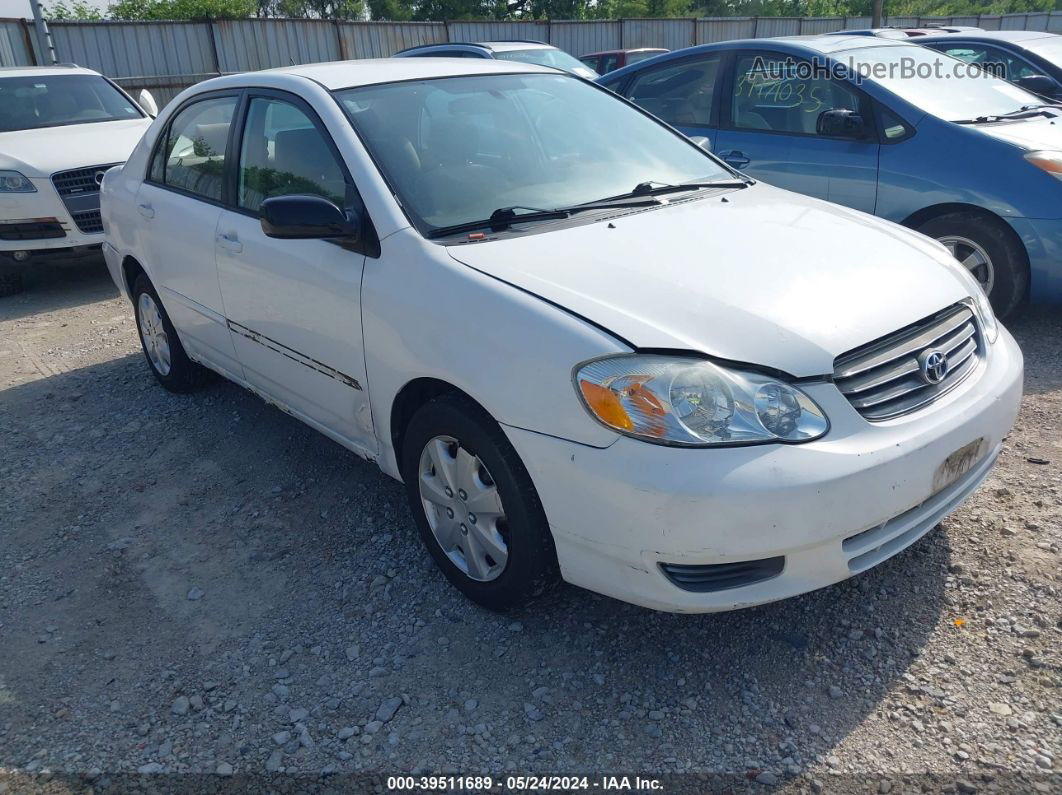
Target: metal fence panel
[811,25]
[902,22]
[857,23]
[384,39]
[725,29]
[970,20]
[251,44]
[989,22]
[673,34]
[767,27]
[1054,22]
[1013,22]
[130,49]
[498,31]
[14,48]
[580,38]
[1036,21]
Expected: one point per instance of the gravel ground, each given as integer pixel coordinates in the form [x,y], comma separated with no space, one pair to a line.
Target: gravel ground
[201,584]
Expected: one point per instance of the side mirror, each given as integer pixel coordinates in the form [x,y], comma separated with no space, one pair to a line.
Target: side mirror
[147,102]
[841,123]
[703,142]
[1039,84]
[305,217]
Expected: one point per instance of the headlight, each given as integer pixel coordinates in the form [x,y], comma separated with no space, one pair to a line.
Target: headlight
[977,301]
[693,402]
[13,182]
[1051,162]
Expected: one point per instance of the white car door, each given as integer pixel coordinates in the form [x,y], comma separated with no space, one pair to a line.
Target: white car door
[294,306]
[181,201]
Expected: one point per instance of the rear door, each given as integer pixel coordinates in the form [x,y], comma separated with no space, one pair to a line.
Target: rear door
[181,201]
[684,93]
[294,306]
[769,130]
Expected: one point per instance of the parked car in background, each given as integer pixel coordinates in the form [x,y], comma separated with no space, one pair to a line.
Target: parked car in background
[521,51]
[609,60]
[1031,59]
[61,128]
[970,160]
[902,33]
[589,349]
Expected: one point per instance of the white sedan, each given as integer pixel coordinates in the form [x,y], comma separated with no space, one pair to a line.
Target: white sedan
[589,349]
[60,128]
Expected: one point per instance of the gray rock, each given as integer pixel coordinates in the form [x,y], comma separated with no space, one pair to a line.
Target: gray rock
[274,761]
[298,715]
[195,593]
[767,778]
[387,709]
[224,769]
[180,705]
[346,733]
[149,768]
[281,738]
[836,692]
[471,705]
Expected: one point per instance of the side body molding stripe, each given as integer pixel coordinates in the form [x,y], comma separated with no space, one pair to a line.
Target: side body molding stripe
[294,355]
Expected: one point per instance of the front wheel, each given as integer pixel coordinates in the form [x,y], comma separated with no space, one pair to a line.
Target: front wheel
[475,506]
[990,251]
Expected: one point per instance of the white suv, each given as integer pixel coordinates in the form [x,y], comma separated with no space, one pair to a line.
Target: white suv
[61,128]
[589,349]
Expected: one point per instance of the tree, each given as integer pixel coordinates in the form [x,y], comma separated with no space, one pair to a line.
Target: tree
[195,10]
[78,9]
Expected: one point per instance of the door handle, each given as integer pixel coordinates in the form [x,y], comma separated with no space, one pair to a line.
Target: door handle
[146,210]
[736,158]
[230,242]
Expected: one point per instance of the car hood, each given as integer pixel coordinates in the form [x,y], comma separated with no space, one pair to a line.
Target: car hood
[760,276]
[1040,132]
[40,153]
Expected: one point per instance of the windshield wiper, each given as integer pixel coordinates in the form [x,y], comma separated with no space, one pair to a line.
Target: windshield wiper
[502,219]
[653,188]
[1025,110]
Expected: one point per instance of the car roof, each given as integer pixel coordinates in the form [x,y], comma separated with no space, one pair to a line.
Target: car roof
[45,71]
[628,50]
[505,46]
[989,36]
[372,71]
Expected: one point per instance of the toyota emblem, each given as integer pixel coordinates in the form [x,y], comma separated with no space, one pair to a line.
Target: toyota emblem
[933,366]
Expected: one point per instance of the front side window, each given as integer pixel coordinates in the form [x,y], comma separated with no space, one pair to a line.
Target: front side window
[680,95]
[193,158]
[1013,68]
[29,103]
[283,153]
[772,93]
[456,149]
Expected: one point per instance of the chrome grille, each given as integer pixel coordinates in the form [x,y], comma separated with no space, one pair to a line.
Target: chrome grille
[79,180]
[885,378]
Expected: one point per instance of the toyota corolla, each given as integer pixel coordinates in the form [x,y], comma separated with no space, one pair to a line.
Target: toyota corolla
[589,349]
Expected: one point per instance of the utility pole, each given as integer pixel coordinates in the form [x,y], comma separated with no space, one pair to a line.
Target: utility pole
[876,13]
[44,37]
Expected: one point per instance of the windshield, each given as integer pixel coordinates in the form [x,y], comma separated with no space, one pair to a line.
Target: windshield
[34,101]
[558,59]
[936,83]
[456,149]
[1048,48]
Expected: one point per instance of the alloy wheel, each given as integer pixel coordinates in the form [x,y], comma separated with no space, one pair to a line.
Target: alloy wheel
[974,258]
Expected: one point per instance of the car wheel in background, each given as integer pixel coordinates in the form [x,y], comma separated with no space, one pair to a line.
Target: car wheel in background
[10,284]
[162,349]
[990,251]
[475,506]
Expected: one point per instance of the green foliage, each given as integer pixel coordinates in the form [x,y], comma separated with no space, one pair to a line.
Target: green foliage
[182,9]
[78,9]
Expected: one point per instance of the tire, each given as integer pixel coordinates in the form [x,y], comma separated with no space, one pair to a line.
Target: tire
[174,370]
[10,284]
[530,565]
[978,237]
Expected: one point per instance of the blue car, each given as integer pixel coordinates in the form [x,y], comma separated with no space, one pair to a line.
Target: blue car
[886,127]
[1029,58]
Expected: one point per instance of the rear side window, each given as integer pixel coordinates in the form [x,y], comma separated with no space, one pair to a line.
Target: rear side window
[192,156]
[283,153]
[681,95]
[771,93]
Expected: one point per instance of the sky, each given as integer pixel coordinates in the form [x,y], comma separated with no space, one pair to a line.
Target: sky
[21,8]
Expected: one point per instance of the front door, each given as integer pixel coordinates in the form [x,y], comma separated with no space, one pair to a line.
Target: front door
[770,132]
[294,306]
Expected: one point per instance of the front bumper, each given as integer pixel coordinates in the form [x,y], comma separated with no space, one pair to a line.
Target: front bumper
[831,508]
[1043,242]
[43,207]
